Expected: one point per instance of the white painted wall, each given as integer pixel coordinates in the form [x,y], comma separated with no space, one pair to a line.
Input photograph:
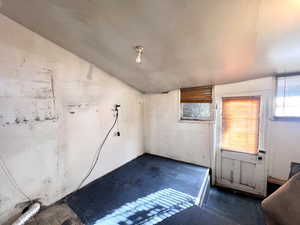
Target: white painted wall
[192,142]
[166,135]
[55,109]
[284,147]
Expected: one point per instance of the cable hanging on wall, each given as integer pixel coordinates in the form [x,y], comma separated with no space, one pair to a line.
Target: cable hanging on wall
[97,155]
[12,180]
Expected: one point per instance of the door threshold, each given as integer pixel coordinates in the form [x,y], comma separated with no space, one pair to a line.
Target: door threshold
[253,195]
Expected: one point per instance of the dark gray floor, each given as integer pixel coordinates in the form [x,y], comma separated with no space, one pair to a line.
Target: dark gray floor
[240,208]
[149,179]
[153,190]
[196,216]
[223,207]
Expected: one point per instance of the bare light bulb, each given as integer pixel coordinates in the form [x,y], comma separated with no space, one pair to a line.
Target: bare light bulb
[138,58]
[139,50]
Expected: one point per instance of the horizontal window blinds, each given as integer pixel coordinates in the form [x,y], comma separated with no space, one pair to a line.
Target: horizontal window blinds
[196,95]
[240,124]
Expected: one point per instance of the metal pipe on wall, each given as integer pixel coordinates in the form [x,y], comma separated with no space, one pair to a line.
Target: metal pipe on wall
[32,210]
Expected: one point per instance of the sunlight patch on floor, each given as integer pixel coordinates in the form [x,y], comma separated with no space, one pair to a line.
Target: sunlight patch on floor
[149,210]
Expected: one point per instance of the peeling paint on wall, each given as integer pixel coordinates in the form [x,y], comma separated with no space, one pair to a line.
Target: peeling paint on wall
[27,101]
[73,108]
[46,148]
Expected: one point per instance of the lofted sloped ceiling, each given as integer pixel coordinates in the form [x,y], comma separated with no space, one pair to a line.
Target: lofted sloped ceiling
[187,42]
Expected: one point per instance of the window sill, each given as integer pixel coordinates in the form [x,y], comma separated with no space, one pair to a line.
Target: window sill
[196,121]
[286,118]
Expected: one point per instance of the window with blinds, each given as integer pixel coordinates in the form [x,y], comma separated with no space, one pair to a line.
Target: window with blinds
[287,102]
[196,103]
[240,124]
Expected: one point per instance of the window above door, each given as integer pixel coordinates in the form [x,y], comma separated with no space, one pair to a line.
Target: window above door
[287,98]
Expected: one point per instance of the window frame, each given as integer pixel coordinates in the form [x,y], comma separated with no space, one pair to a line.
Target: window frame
[200,120]
[275,83]
[196,119]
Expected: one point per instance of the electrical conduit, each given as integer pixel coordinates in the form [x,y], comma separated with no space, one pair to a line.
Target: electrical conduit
[32,210]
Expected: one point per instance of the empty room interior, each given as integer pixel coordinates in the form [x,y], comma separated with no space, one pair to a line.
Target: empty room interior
[150,112]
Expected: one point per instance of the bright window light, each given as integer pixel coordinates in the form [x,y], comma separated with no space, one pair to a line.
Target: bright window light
[287,103]
[195,111]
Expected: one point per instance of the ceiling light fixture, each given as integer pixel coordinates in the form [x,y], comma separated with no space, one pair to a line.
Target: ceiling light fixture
[139,50]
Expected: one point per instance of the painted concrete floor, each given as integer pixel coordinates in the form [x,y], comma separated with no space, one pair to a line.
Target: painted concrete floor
[242,209]
[223,207]
[154,190]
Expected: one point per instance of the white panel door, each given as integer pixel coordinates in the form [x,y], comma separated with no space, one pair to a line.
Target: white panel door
[236,169]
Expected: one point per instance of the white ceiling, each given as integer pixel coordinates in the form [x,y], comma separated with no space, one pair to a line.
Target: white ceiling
[187,42]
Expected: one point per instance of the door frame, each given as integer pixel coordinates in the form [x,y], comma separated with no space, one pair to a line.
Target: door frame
[262,141]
